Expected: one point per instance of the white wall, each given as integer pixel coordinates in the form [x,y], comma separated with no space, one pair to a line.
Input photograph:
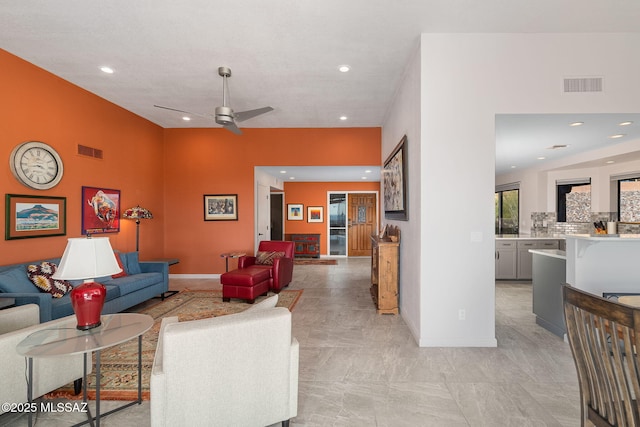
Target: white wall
[466,79]
[404,119]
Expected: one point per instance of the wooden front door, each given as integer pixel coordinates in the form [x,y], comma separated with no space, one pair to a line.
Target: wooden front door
[361,223]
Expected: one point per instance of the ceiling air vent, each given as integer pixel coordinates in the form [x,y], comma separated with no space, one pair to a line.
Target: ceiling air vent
[583,84]
[83,150]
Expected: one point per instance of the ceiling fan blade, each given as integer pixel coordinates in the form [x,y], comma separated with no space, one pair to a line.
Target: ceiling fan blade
[245,115]
[207,116]
[233,128]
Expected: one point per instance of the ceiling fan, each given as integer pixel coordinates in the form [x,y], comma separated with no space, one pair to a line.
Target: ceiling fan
[224,115]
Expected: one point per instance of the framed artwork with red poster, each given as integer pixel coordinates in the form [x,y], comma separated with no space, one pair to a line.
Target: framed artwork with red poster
[100,210]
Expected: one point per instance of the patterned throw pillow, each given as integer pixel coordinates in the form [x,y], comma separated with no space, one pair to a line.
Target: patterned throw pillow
[266,258]
[41,274]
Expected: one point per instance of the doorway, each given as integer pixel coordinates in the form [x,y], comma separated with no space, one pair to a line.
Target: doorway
[353,218]
[277,216]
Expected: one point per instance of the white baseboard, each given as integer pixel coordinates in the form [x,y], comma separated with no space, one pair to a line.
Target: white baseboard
[194,276]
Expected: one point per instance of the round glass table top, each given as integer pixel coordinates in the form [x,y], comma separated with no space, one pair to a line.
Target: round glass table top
[65,339]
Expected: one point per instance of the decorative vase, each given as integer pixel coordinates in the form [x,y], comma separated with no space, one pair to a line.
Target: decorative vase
[87,300]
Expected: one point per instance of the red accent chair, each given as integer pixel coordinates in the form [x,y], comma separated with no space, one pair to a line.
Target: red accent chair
[251,280]
[282,268]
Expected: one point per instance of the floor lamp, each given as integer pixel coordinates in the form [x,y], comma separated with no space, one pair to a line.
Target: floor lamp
[137,213]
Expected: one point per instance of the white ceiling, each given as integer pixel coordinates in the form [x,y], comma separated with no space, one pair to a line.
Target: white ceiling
[283,53]
[324,173]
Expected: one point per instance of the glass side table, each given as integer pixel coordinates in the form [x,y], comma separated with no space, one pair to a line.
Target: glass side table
[65,339]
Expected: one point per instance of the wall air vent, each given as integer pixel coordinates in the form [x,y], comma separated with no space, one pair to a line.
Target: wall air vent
[83,150]
[583,84]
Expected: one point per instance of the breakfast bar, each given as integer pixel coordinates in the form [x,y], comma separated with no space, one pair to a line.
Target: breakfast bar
[604,264]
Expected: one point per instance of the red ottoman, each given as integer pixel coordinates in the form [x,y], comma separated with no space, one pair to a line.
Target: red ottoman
[245,283]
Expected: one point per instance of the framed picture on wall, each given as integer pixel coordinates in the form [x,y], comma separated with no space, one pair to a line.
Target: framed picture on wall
[100,210]
[35,216]
[315,214]
[395,182]
[295,212]
[220,207]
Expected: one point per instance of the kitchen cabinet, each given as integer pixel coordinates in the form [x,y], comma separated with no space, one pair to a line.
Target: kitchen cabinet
[506,260]
[525,258]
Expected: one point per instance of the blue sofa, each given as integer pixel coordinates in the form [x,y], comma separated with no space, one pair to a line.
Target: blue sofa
[144,280]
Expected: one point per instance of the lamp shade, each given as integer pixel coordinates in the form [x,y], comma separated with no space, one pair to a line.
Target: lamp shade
[137,213]
[87,258]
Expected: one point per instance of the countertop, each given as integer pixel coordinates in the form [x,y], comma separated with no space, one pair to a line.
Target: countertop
[553,253]
[529,236]
[605,236]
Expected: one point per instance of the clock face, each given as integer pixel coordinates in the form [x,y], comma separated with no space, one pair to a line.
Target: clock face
[36,165]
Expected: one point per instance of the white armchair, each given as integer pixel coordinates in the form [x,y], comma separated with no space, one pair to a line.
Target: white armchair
[49,373]
[235,370]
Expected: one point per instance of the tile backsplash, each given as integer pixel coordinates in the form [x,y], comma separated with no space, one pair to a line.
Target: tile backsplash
[546,223]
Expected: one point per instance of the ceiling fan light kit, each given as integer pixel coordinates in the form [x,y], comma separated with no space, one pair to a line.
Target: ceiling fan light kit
[224,115]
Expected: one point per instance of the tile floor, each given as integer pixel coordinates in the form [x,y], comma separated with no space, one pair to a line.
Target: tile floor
[358,368]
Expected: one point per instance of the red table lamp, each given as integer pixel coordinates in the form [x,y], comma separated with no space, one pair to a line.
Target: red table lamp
[86,259]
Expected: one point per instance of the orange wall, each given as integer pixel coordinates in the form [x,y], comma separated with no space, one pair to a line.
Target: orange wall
[37,105]
[215,161]
[165,170]
[315,194]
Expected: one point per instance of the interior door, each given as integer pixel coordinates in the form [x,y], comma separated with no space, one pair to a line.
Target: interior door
[263,214]
[361,222]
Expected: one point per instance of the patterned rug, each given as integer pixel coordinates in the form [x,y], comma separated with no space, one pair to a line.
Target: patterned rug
[119,364]
[314,261]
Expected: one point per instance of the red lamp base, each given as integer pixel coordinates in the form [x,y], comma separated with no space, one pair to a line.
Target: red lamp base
[87,300]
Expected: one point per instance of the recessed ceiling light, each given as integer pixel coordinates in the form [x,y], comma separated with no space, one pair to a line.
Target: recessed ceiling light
[344,68]
[186,119]
[367,171]
[541,158]
[107,70]
[364,177]
[291,177]
[513,167]
[576,124]
[618,135]
[343,118]
[283,171]
[609,162]
[625,123]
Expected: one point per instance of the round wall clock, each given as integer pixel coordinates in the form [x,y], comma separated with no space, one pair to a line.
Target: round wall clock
[36,165]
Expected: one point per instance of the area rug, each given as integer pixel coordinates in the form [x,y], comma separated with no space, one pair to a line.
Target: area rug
[119,364]
[314,261]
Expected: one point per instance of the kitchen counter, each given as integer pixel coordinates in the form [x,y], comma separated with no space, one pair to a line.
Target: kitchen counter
[554,253]
[549,273]
[550,236]
[604,263]
[603,237]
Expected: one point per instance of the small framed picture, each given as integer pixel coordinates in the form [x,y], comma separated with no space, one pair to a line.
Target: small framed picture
[220,207]
[295,212]
[315,214]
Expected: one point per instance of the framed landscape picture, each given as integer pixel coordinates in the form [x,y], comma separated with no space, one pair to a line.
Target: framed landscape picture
[35,216]
[100,210]
[295,212]
[395,182]
[220,207]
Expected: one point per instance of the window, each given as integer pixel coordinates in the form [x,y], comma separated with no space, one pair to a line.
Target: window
[629,199]
[507,203]
[574,200]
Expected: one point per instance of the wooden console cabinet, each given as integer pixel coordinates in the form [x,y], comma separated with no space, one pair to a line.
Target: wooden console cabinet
[385,257]
[306,245]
